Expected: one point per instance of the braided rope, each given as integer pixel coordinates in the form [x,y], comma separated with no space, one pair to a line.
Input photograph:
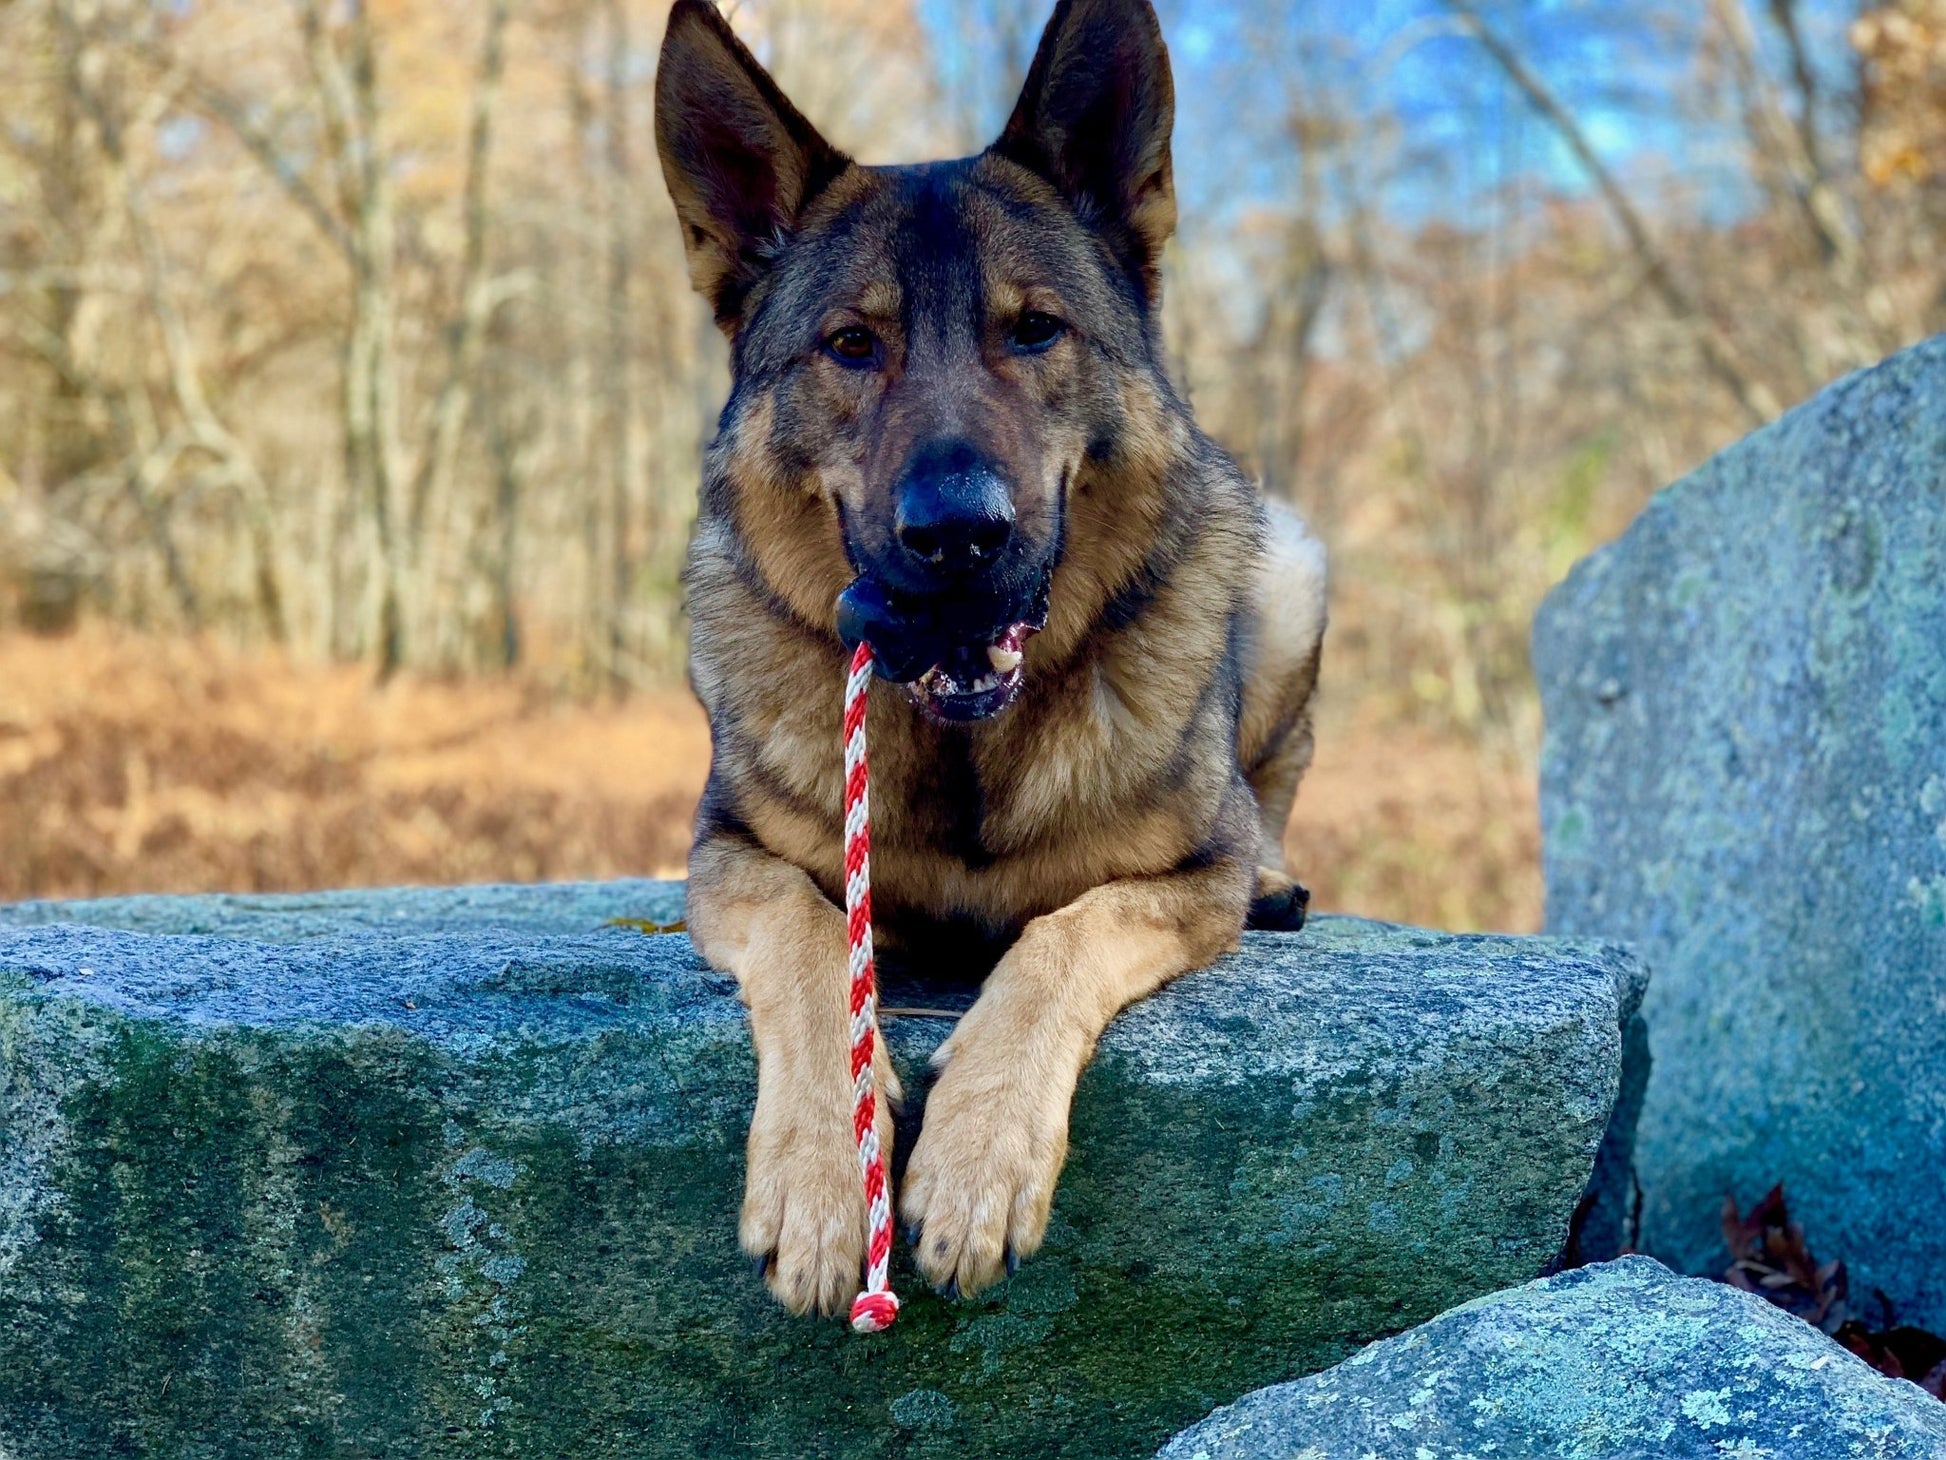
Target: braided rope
[873,1310]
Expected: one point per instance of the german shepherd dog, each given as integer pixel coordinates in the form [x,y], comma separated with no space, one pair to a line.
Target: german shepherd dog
[951,435]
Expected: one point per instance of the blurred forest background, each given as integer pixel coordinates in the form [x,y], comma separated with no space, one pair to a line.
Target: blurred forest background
[351,393]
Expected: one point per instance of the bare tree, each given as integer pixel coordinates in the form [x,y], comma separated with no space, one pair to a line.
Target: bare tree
[1726,359]
[439,528]
[365,328]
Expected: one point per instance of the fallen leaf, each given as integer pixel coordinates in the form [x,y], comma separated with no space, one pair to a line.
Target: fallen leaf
[646,926]
[1771,1258]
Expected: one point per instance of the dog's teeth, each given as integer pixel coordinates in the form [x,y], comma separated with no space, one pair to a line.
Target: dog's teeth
[1004,661]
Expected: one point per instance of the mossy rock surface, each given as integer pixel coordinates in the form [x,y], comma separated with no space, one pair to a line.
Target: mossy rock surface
[1620,1361]
[455,1173]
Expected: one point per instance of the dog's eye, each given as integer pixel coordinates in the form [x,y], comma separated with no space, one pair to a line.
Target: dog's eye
[1036,331]
[853,345]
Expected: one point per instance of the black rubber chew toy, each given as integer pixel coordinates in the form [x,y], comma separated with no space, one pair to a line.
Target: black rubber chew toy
[866,616]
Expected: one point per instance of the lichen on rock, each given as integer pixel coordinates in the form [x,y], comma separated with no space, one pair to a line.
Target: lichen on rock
[1619,1361]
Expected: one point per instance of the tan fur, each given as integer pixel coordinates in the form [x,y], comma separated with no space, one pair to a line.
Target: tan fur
[879,301]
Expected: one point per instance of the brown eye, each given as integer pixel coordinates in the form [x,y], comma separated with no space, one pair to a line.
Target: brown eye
[853,345]
[1036,331]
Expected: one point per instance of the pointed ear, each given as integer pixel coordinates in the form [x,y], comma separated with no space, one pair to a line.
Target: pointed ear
[740,161]
[1094,119]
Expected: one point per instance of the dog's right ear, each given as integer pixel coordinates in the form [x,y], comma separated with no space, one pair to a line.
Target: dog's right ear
[740,161]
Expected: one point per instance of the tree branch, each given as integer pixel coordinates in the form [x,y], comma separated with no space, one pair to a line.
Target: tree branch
[1720,352]
[214,104]
[433,482]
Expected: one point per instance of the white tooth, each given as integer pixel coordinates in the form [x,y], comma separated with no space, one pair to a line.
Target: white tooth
[1006,661]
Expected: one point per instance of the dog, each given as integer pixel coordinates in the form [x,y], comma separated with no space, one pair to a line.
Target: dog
[950,435]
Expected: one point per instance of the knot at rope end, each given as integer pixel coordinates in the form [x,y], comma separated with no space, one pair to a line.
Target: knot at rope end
[874,1312]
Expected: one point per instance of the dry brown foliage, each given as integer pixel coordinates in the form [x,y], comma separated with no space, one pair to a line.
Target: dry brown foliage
[1771,1258]
[1904,49]
[136,764]
[133,764]
[1401,822]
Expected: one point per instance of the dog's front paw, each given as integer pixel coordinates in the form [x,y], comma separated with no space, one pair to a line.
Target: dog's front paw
[804,1223]
[981,1180]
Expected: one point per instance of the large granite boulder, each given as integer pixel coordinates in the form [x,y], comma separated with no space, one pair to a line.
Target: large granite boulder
[1745,778]
[444,1174]
[1622,1361]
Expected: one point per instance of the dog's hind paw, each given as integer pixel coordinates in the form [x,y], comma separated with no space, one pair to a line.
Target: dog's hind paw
[1280,905]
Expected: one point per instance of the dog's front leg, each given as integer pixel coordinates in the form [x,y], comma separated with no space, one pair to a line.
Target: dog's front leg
[764,921]
[981,1179]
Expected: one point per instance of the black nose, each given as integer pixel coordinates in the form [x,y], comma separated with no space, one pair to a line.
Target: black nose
[955,514]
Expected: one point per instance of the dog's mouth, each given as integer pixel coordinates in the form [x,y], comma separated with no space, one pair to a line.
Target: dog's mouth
[975,682]
[955,672]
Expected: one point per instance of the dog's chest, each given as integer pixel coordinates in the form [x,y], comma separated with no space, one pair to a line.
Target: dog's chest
[1078,783]
[983,793]
[935,798]
[1013,819]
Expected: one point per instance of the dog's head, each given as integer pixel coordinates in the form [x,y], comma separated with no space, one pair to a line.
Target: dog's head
[926,357]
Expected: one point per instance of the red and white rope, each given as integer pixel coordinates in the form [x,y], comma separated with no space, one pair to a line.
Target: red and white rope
[873,1310]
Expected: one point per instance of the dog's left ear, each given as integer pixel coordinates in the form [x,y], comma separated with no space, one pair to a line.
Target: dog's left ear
[1094,119]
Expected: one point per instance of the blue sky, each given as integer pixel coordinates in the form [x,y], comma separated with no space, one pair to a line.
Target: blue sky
[1463,130]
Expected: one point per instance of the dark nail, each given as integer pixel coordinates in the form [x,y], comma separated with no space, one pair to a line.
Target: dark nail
[950,1292]
[1013,1262]
[760,1265]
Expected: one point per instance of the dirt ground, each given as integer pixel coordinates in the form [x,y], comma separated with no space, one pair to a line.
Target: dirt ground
[133,764]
